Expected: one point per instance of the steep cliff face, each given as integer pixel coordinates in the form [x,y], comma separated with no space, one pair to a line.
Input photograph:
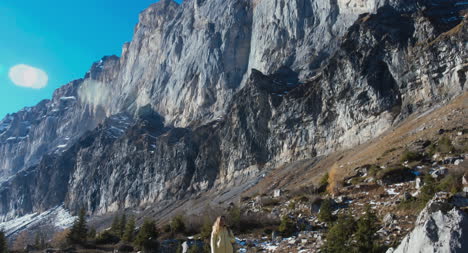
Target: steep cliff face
[180,112]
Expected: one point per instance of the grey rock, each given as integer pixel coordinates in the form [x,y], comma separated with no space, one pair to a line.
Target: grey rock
[437,230]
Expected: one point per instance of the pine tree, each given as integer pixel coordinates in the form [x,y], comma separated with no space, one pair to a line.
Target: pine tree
[79,232]
[429,188]
[178,224]
[286,227]
[365,235]
[92,234]
[325,213]
[115,225]
[122,224]
[129,233]
[146,238]
[39,240]
[339,237]
[3,242]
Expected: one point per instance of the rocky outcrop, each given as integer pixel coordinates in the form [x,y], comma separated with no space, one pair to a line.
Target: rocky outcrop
[440,227]
[180,112]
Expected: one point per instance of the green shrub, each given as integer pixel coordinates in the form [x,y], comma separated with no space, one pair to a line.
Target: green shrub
[451,183]
[365,236]
[410,156]
[286,227]
[292,205]
[166,228]
[339,236]
[324,179]
[146,238]
[234,217]
[429,188]
[178,224]
[206,229]
[107,237]
[445,145]
[325,213]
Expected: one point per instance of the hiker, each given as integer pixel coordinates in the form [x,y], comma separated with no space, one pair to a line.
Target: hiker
[221,237]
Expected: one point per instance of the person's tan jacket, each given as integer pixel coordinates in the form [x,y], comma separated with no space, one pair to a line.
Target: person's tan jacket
[222,242]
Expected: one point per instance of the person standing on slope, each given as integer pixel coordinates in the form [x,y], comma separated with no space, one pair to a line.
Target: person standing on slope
[222,237]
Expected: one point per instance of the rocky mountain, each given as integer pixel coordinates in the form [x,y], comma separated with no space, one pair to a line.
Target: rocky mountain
[211,93]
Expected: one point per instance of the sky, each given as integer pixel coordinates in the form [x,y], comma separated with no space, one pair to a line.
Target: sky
[45,44]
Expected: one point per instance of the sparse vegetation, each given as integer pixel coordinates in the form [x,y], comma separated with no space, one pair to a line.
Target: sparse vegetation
[107,237]
[443,145]
[410,156]
[324,179]
[79,231]
[286,227]
[339,236]
[177,224]
[365,236]
[129,234]
[347,235]
[325,213]
[146,240]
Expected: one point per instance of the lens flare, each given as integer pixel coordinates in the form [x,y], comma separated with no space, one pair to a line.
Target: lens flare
[27,76]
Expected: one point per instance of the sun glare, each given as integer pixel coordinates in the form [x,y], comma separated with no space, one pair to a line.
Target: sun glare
[27,76]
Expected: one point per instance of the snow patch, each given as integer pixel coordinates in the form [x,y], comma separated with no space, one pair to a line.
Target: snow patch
[57,216]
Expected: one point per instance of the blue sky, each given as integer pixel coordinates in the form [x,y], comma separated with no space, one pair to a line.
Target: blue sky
[62,38]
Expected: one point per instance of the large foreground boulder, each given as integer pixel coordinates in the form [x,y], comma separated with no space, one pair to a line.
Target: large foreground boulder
[441,227]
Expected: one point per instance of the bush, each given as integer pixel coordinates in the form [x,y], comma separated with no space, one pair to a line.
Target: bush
[178,224]
[365,236]
[325,213]
[410,156]
[205,232]
[429,188]
[324,179]
[146,238]
[444,146]
[287,227]
[339,237]
[107,237]
[234,217]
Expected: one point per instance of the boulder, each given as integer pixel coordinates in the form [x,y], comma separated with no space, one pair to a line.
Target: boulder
[440,227]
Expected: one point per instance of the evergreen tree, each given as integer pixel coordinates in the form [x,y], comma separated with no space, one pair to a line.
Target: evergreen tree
[429,188]
[339,237]
[146,239]
[177,224]
[286,227]
[3,242]
[365,235]
[92,234]
[115,226]
[325,213]
[129,234]
[79,232]
[122,225]
[206,229]
[37,240]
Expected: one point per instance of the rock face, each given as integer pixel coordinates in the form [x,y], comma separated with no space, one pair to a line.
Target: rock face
[440,228]
[184,110]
